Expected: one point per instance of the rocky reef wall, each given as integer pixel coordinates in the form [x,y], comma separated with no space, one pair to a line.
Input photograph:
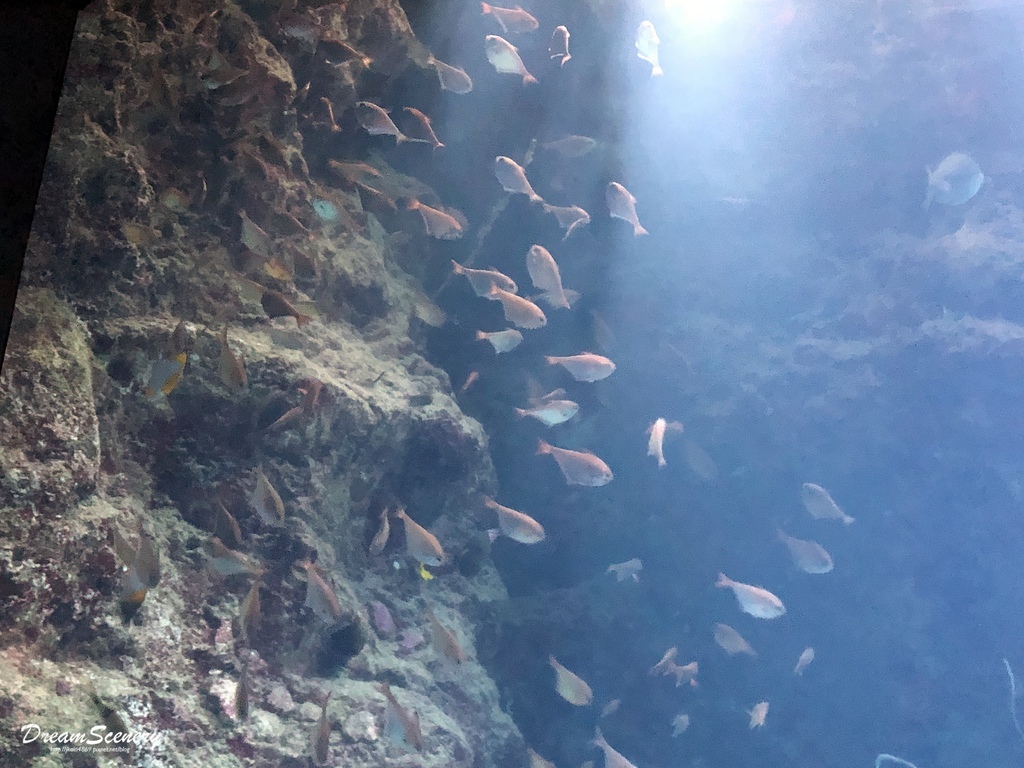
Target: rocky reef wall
[190,173]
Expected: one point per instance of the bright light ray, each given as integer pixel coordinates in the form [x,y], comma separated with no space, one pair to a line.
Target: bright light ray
[700,17]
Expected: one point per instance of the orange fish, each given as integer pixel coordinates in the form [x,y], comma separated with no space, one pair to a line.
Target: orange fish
[511,19]
[578,467]
[439,224]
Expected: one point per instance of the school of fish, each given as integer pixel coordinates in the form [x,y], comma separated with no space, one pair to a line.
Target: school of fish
[952,182]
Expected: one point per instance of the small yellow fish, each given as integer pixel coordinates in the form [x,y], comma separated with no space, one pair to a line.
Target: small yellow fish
[570,686]
[424,573]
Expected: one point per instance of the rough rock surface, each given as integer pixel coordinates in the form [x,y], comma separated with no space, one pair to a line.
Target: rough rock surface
[187,174]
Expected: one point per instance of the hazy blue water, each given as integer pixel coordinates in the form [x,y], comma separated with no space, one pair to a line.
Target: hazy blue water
[780,170]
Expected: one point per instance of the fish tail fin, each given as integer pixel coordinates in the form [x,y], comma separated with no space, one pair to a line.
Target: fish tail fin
[550,360]
[599,738]
[848,520]
[401,138]
[480,336]
[521,412]
[543,447]
[412,204]
[535,198]
[457,268]
[528,79]
[301,319]
[722,581]
[485,8]
[638,230]
[657,71]
[565,59]
[493,534]
[661,462]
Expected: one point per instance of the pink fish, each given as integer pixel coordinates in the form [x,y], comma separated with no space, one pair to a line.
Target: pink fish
[382,619]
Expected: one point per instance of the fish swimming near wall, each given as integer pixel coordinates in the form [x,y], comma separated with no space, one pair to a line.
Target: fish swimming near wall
[501,341]
[443,225]
[228,562]
[266,500]
[521,312]
[514,524]
[420,543]
[504,57]
[514,20]
[512,178]
[578,467]
[570,218]
[401,726]
[377,122]
[584,367]
[545,275]
[444,640]
[571,686]
[320,739]
[481,280]
[451,78]
[320,597]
